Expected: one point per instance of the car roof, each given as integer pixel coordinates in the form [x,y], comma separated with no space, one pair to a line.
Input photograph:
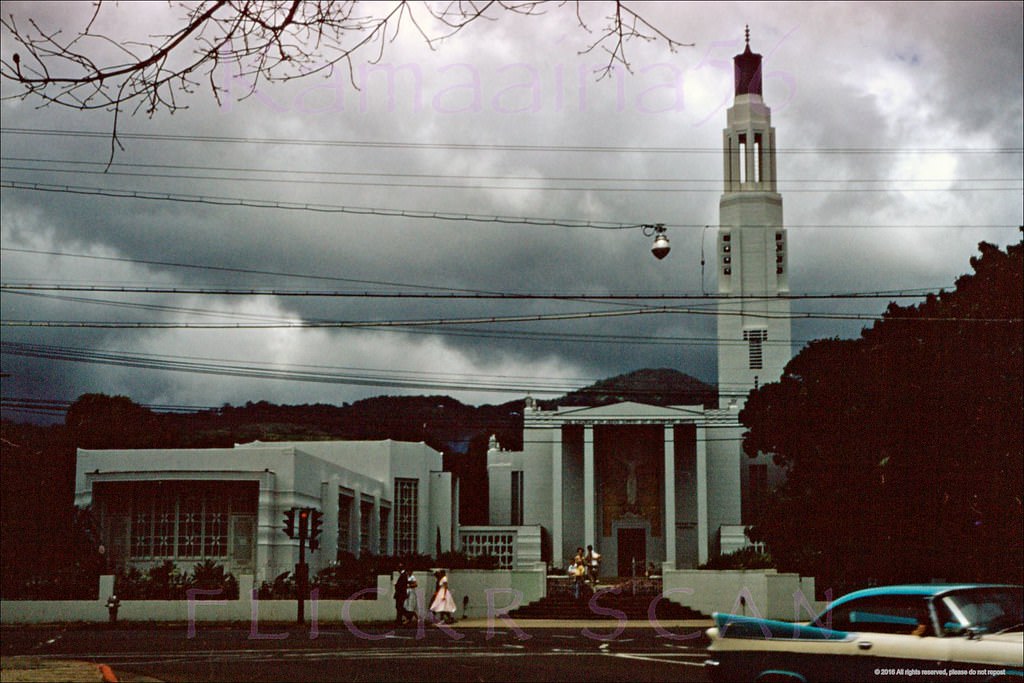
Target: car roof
[917,589]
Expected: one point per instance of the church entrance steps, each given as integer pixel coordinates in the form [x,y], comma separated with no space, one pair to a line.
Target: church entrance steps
[638,600]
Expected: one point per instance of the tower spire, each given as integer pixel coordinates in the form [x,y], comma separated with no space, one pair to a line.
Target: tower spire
[747,67]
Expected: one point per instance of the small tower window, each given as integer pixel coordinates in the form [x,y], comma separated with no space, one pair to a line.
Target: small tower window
[727,259]
[727,271]
[778,271]
[778,237]
[726,248]
[754,339]
[778,246]
[727,237]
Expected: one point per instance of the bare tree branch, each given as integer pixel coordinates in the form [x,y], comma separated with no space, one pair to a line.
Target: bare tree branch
[253,41]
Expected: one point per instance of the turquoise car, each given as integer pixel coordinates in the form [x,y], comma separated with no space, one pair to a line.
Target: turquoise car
[970,632]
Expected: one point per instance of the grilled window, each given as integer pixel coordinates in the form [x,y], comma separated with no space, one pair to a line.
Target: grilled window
[406,516]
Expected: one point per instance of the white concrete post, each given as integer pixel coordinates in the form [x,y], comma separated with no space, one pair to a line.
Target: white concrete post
[556,497]
[589,512]
[702,495]
[670,498]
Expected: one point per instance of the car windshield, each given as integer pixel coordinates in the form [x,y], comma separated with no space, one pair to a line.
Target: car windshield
[989,610]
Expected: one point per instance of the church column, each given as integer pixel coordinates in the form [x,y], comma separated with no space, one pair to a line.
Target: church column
[357,514]
[589,516]
[702,495]
[557,496]
[670,498]
[329,506]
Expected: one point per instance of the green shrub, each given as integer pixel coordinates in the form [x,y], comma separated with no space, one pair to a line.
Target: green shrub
[166,582]
[744,558]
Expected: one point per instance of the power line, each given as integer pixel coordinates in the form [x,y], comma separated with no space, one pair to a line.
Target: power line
[680,185]
[454,295]
[304,175]
[566,337]
[228,269]
[316,208]
[405,379]
[369,211]
[370,144]
[306,372]
[330,278]
[481,320]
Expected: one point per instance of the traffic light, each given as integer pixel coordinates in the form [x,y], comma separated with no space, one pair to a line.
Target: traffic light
[303,523]
[316,520]
[289,523]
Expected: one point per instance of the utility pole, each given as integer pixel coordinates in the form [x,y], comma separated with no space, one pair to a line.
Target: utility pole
[305,523]
[302,569]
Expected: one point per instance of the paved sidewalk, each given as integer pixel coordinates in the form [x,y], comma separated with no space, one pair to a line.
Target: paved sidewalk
[29,668]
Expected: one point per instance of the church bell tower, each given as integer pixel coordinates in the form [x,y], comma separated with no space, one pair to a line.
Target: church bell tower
[754,338]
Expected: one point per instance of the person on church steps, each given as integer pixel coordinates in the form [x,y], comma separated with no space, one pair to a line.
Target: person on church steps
[578,574]
[593,562]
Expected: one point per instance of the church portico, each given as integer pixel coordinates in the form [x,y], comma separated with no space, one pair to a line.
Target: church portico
[626,478]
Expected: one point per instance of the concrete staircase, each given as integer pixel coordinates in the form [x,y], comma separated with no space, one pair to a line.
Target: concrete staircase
[607,600]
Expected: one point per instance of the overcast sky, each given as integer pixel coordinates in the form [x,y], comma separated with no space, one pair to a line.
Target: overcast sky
[900,135]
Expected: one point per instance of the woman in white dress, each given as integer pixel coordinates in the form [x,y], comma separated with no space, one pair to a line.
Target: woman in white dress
[443,604]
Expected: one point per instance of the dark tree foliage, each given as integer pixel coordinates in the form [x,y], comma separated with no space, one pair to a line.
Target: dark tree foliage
[37,513]
[904,447]
[101,421]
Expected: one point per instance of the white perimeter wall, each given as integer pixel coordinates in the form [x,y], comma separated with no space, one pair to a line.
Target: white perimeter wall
[757,593]
[497,591]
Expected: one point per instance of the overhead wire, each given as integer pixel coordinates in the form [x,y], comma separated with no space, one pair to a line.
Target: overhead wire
[215,200]
[680,185]
[304,175]
[391,144]
[520,384]
[316,208]
[22,287]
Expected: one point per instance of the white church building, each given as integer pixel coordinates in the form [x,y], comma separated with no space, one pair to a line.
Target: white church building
[643,484]
[228,504]
[670,485]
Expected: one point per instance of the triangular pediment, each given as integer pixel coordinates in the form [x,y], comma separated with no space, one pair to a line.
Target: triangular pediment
[630,410]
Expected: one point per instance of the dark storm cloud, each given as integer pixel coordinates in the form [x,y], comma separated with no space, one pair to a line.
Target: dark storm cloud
[878,76]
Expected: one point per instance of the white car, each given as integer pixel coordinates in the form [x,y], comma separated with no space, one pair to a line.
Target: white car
[968,632]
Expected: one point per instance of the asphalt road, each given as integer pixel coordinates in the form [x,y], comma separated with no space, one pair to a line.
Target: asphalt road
[591,651]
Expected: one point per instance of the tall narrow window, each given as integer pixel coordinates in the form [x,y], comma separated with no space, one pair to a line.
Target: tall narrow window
[365,524]
[758,151]
[406,516]
[754,338]
[345,522]
[385,522]
[743,158]
[517,498]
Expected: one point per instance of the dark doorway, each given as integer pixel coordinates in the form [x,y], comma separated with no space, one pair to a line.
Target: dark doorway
[632,551]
